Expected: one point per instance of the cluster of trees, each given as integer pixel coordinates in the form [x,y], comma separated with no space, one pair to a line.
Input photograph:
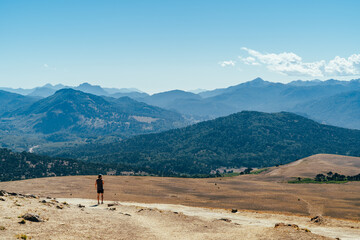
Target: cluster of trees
[330,176]
[24,165]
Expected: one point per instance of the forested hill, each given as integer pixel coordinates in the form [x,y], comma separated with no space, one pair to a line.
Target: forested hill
[16,166]
[249,139]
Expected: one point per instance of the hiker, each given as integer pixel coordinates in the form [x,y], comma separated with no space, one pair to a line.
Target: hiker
[99,185]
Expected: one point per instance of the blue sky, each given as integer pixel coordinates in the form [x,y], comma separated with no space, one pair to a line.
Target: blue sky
[162,45]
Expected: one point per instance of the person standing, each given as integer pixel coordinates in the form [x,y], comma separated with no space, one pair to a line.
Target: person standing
[99,185]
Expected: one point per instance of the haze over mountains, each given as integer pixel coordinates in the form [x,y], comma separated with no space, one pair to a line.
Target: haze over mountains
[332,102]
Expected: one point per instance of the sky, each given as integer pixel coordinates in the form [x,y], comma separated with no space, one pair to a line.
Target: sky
[162,45]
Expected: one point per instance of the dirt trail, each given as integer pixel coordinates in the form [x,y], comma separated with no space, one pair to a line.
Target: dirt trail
[333,228]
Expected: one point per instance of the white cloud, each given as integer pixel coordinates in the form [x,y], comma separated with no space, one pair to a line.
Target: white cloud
[227,63]
[343,66]
[289,63]
[45,65]
[249,61]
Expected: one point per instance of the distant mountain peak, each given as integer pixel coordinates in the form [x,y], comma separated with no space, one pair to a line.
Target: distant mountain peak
[257,82]
[86,84]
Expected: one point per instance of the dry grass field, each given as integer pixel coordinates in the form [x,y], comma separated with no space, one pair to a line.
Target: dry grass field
[266,192]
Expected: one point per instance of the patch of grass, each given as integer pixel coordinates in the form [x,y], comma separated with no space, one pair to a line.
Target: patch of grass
[233,174]
[259,171]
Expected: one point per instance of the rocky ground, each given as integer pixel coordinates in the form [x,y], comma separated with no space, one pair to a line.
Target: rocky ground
[28,216]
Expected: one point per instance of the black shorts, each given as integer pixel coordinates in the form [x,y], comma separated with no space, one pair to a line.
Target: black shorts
[100,191]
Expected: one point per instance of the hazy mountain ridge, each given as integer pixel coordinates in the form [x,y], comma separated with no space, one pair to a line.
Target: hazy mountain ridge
[49,89]
[12,101]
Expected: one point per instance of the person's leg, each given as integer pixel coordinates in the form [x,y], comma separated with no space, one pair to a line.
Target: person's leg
[98,198]
[102,198]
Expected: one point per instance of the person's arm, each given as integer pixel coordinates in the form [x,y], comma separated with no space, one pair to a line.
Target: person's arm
[103,183]
[95,185]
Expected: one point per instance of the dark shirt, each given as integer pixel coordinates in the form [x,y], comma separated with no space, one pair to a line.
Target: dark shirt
[99,184]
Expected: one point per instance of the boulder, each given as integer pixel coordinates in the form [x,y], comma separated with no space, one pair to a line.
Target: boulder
[32,217]
[234,210]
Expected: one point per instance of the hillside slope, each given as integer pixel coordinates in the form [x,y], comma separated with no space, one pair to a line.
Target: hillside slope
[250,139]
[319,163]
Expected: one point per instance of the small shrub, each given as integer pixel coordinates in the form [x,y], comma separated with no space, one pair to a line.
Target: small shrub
[22,221]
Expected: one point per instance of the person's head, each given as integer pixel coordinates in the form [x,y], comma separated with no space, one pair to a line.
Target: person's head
[100,176]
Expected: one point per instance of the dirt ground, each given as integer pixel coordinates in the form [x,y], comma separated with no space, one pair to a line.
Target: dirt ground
[64,219]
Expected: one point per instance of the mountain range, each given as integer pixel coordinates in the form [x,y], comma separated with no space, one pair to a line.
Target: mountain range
[70,115]
[331,102]
[92,113]
[49,89]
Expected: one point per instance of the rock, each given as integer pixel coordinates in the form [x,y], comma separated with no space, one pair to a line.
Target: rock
[22,221]
[12,194]
[112,204]
[294,226]
[234,210]
[2,199]
[80,206]
[3,193]
[317,219]
[112,209]
[32,217]
[59,207]
[31,196]
[43,201]
[48,197]
[225,220]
